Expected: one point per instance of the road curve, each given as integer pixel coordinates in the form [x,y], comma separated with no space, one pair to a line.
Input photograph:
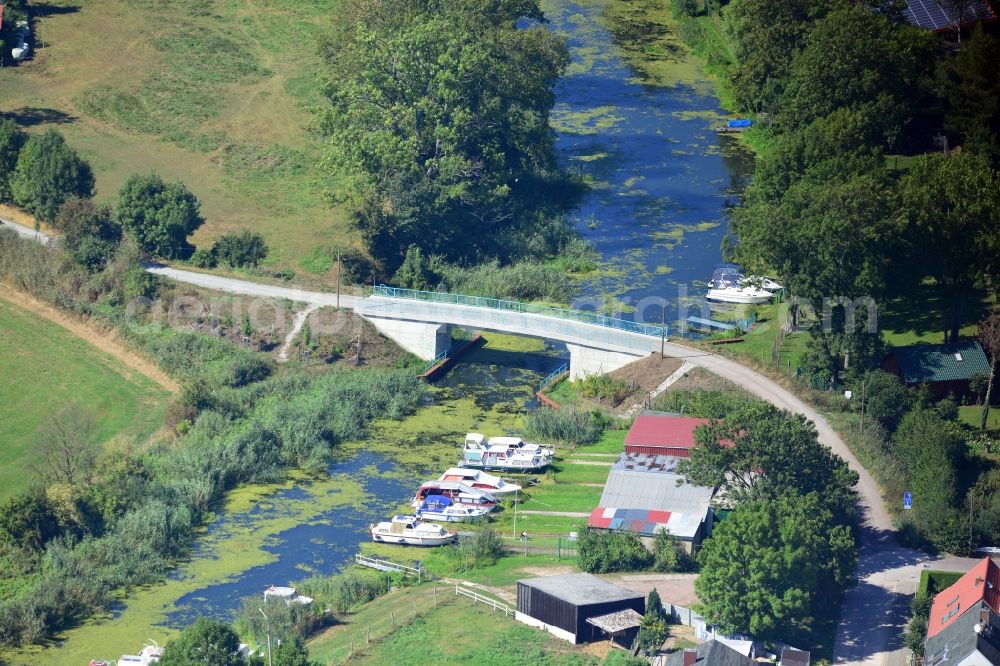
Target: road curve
[873,612]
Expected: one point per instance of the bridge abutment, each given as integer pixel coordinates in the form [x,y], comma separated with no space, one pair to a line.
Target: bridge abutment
[421,339]
[585,361]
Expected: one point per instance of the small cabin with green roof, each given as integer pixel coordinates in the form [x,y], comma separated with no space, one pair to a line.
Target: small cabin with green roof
[944,368]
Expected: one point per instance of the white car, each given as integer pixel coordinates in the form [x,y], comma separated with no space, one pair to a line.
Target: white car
[21,35]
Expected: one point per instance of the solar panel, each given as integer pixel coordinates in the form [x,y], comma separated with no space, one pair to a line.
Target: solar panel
[946,14]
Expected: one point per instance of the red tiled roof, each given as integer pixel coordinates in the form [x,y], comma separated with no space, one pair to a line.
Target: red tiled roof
[663,430]
[981,583]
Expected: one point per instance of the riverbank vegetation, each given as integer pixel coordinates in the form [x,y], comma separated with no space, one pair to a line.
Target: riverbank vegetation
[69,550]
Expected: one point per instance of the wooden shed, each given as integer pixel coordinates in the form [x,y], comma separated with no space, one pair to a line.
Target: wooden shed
[562,604]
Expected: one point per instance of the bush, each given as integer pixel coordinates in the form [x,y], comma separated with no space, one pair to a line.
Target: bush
[670,556]
[603,387]
[90,234]
[245,248]
[703,404]
[11,140]
[159,215]
[48,174]
[203,258]
[568,426]
[482,549]
[607,551]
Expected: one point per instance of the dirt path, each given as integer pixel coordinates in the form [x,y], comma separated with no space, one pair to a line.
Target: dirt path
[103,340]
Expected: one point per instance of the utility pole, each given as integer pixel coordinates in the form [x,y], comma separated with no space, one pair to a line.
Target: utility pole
[338,278]
[268,636]
[514,532]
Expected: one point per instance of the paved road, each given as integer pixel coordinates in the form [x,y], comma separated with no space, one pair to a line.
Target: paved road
[873,613]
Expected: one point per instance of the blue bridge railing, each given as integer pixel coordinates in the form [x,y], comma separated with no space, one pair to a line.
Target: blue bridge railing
[528,308]
[552,376]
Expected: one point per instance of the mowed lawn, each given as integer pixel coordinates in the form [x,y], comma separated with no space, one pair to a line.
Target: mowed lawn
[43,367]
[214,93]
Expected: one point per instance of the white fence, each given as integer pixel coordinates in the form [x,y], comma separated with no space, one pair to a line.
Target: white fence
[478,598]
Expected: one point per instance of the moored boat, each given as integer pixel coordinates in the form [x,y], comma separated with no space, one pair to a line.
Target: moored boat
[480,480]
[505,453]
[728,285]
[442,509]
[460,493]
[411,531]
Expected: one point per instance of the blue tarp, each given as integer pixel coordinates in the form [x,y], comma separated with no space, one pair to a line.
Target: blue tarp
[740,122]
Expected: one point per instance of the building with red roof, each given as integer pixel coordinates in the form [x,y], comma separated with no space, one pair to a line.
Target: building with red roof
[661,433]
[964,624]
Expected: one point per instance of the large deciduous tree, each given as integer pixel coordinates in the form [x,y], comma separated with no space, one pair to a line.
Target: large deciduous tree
[773,565]
[951,206]
[159,215]
[11,140]
[862,60]
[767,34]
[439,116]
[747,454]
[204,642]
[67,446]
[47,174]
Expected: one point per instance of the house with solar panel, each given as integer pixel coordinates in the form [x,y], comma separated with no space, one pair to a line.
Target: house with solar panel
[645,494]
[946,16]
[964,625]
[946,369]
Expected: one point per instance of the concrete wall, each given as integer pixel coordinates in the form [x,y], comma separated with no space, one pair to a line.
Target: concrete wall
[422,340]
[585,361]
[555,631]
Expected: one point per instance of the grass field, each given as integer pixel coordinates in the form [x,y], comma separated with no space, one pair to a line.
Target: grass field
[973,414]
[44,367]
[213,93]
[415,626]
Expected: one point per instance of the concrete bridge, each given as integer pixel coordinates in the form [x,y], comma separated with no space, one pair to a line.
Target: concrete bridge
[421,321]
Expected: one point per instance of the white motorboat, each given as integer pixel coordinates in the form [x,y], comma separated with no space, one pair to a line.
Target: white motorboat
[762,282]
[728,285]
[410,531]
[505,453]
[458,492]
[479,479]
[444,510]
[739,294]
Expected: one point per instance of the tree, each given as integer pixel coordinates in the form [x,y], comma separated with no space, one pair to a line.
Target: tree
[881,396]
[11,140]
[652,632]
[415,273]
[292,652]
[90,233]
[952,204]
[654,604]
[245,248]
[669,554]
[438,117]
[989,336]
[928,447]
[773,565]
[767,34]
[747,454]
[27,521]
[159,215]
[916,630]
[205,642]
[973,90]
[47,174]
[861,59]
[66,444]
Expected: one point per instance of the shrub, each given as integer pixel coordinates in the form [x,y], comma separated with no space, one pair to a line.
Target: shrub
[90,234]
[203,258]
[245,248]
[11,140]
[606,551]
[704,404]
[603,387]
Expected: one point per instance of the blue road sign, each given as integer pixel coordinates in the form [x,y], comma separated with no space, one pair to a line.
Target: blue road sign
[907,500]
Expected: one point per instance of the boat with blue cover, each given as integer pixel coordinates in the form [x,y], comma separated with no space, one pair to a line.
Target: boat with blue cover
[440,508]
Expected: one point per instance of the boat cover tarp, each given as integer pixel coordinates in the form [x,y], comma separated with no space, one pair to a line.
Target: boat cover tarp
[740,122]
